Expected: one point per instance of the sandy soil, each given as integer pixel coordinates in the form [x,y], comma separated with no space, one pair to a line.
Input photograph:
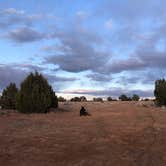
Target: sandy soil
[117,134]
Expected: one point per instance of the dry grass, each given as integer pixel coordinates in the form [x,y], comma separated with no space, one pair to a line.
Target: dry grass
[117,133]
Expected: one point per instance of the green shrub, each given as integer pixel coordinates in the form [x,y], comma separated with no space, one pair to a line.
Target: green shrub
[75,99]
[83,98]
[135,97]
[61,99]
[35,95]
[8,98]
[109,98]
[123,97]
[98,99]
[160,92]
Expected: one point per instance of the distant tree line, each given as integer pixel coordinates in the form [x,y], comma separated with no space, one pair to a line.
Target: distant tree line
[124,97]
[36,95]
[78,99]
[98,99]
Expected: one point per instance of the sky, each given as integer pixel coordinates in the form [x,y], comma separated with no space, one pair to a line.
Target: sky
[91,48]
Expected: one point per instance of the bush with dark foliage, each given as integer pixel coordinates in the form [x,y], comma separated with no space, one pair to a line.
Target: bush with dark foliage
[123,97]
[98,99]
[83,98]
[135,97]
[109,98]
[36,95]
[77,99]
[61,99]
[8,98]
[160,92]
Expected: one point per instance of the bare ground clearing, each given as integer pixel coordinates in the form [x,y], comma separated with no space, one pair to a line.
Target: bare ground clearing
[117,133]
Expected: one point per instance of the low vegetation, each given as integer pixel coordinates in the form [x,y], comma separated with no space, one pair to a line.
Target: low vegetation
[124,97]
[8,98]
[61,99]
[160,92]
[77,99]
[109,98]
[98,99]
[36,95]
[135,97]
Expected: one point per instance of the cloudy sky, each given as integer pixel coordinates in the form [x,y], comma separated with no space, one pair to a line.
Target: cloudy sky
[92,48]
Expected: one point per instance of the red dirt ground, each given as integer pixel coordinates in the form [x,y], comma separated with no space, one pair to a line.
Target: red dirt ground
[117,134]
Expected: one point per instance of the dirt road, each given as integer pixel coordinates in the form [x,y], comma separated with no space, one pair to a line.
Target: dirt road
[117,133]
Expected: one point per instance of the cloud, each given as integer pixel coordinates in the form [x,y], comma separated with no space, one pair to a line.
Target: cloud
[11,11]
[154,59]
[81,53]
[109,24]
[54,78]
[131,47]
[77,52]
[24,34]
[79,60]
[81,15]
[29,67]
[145,56]
[132,10]
[55,48]
[125,65]
[114,92]
[99,77]
[9,74]
[12,17]
[17,73]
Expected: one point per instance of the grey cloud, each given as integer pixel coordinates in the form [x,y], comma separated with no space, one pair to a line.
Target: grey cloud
[125,80]
[147,77]
[82,56]
[99,77]
[154,58]
[17,73]
[12,17]
[30,67]
[125,65]
[151,76]
[24,34]
[146,56]
[147,61]
[77,52]
[55,48]
[9,74]
[132,10]
[75,62]
[54,78]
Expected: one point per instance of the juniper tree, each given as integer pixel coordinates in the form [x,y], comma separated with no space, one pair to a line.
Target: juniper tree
[36,95]
[8,98]
[160,92]
[135,97]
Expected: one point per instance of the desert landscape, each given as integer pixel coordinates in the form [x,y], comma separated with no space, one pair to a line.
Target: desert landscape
[118,133]
[83,83]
